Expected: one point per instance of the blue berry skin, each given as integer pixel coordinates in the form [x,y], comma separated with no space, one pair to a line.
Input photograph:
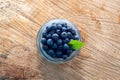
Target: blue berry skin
[69,28]
[76,38]
[69,34]
[58,31]
[63,35]
[72,37]
[60,47]
[44,35]
[55,36]
[73,32]
[64,57]
[48,28]
[59,26]
[64,29]
[64,25]
[54,26]
[66,40]
[48,36]
[54,46]
[45,47]
[52,32]
[59,54]
[50,42]
[59,42]
[43,41]
[50,52]
[66,46]
[45,31]
[54,56]
[69,52]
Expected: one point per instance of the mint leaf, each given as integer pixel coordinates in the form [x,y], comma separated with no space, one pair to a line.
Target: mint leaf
[76,44]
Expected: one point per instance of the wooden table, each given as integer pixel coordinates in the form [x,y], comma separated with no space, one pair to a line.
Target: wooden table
[97,20]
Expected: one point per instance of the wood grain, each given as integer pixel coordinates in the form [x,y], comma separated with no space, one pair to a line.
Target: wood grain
[98,22]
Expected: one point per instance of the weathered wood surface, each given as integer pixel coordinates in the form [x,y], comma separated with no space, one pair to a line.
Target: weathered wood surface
[98,21]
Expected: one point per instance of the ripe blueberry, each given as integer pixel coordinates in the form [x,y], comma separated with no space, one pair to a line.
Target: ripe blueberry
[54,26]
[76,38]
[59,54]
[48,28]
[64,24]
[60,47]
[45,47]
[69,35]
[66,40]
[73,32]
[50,42]
[66,46]
[44,35]
[58,31]
[54,46]
[43,41]
[69,28]
[48,36]
[59,42]
[64,29]
[50,52]
[63,34]
[59,26]
[69,52]
[55,36]
[64,56]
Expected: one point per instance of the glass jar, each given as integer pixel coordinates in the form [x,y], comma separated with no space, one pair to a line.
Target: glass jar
[39,45]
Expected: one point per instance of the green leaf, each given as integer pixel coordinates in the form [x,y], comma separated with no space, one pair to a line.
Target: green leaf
[76,44]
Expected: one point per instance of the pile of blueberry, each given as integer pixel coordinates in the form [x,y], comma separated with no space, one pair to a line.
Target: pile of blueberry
[55,40]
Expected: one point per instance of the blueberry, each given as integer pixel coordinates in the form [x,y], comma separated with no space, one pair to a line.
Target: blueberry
[60,47]
[54,46]
[66,46]
[50,42]
[55,36]
[72,37]
[48,36]
[52,32]
[44,35]
[63,34]
[76,38]
[45,31]
[59,54]
[64,24]
[69,28]
[54,26]
[48,28]
[69,52]
[64,29]
[64,56]
[45,47]
[54,56]
[69,35]
[73,32]
[58,31]
[59,42]
[43,41]
[59,26]
[66,40]
[50,52]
